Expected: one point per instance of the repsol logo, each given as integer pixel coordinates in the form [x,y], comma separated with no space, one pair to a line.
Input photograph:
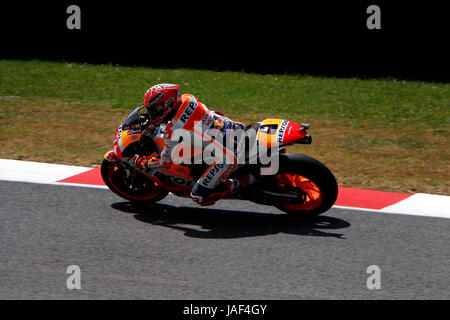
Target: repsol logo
[281,131]
[210,175]
[188,111]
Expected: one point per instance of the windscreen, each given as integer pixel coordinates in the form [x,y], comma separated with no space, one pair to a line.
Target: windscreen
[136,120]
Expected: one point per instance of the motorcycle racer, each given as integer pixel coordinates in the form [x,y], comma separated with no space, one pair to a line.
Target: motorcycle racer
[165,105]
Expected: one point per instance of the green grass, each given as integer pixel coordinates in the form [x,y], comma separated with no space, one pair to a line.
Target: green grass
[383,134]
[385,101]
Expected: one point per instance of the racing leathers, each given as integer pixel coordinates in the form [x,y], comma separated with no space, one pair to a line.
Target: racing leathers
[212,128]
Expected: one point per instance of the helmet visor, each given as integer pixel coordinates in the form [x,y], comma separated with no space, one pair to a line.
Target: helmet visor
[155,112]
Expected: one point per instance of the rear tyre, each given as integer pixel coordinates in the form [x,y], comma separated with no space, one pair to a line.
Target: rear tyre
[316,182]
[142,190]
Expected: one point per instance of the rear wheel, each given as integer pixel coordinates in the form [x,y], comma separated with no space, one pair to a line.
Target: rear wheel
[311,180]
[133,186]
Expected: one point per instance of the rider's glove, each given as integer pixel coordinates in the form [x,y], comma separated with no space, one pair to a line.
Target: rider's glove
[144,164]
[139,162]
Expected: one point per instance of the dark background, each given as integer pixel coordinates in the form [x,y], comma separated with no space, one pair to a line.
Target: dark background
[318,38]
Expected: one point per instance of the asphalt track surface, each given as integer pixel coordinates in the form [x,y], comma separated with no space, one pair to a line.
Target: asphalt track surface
[234,250]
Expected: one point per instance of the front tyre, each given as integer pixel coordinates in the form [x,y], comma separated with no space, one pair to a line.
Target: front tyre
[312,179]
[132,186]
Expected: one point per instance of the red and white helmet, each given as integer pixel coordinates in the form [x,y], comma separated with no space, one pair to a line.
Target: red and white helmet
[160,100]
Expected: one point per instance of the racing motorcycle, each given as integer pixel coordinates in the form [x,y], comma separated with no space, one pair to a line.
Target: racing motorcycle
[301,186]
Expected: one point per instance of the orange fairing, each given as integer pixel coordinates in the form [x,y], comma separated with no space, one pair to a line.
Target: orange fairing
[123,139]
[268,131]
[129,137]
[279,132]
[179,175]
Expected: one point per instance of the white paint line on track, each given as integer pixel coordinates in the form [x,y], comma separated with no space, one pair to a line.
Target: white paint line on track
[27,171]
[422,204]
[93,186]
[419,204]
[423,212]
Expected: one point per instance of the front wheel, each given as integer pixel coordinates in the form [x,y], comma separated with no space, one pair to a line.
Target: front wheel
[312,180]
[130,184]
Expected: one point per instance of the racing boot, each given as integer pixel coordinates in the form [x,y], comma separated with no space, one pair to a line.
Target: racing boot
[207,197]
[240,183]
